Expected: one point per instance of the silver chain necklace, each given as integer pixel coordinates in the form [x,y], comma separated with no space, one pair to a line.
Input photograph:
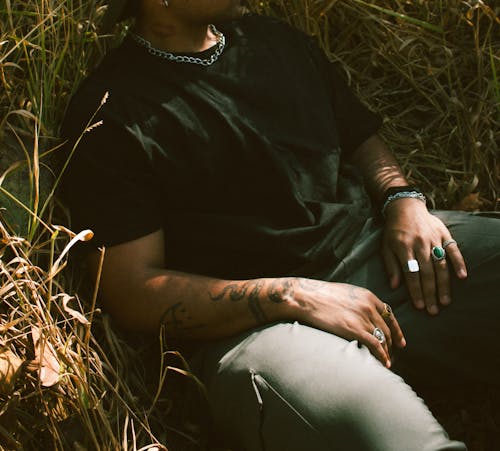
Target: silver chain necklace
[221,43]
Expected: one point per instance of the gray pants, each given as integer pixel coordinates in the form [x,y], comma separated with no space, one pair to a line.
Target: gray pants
[287,387]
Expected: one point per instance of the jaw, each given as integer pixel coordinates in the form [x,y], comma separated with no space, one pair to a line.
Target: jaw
[234,10]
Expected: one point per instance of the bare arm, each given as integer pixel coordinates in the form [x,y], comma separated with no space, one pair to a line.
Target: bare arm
[141,294]
[379,167]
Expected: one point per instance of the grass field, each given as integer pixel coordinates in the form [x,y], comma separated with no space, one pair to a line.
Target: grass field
[67,379]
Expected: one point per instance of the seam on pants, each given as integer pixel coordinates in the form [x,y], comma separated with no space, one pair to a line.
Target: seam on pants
[260,402]
[257,378]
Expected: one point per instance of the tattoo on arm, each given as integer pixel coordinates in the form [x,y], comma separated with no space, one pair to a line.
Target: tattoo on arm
[255,291]
[249,291]
[234,291]
[254,303]
[277,288]
[176,319]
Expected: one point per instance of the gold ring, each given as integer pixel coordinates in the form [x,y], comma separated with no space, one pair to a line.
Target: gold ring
[387,311]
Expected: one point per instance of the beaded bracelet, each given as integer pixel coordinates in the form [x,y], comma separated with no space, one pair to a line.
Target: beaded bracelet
[406,192]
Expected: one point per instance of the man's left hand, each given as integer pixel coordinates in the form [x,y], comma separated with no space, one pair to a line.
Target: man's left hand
[411,233]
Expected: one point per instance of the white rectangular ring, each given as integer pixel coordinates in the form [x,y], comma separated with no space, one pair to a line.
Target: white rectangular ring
[412,266]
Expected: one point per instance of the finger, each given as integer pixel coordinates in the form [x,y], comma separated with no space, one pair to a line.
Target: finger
[396,331]
[380,322]
[413,282]
[382,325]
[386,339]
[456,258]
[443,282]
[428,283]
[374,322]
[376,348]
[392,267]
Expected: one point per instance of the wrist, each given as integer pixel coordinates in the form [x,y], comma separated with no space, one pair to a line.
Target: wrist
[403,206]
[397,193]
[287,299]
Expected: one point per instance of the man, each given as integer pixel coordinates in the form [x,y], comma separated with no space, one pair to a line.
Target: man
[225,183]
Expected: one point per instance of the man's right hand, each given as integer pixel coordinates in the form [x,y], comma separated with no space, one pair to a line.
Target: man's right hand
[347,311]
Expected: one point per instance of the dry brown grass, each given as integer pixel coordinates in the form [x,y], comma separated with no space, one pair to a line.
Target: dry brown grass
[67,379]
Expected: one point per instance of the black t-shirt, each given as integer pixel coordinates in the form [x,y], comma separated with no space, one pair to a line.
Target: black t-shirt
[243,164]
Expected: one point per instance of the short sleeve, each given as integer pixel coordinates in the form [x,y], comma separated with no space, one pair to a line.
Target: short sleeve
[355,122]
[108,185]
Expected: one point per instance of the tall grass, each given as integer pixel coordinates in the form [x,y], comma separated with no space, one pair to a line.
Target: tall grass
[67,379]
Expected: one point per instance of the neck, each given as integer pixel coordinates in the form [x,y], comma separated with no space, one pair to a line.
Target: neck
[173,37]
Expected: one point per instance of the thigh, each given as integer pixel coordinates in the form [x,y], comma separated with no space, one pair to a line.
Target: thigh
[291,387]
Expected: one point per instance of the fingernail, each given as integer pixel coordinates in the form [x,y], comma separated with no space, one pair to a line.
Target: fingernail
[419,304]
[462,273]
[433,310]
[445,300]
[388,363]
[403,342]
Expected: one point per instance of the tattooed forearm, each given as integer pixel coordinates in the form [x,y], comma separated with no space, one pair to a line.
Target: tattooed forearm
[249,291]
[235,292]
[256,292]
[177,320]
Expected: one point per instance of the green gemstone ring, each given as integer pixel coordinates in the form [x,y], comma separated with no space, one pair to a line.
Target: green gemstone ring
[438,253]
